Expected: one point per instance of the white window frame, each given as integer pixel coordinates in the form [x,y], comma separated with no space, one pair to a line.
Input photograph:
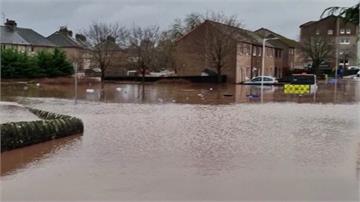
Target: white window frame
[345,41]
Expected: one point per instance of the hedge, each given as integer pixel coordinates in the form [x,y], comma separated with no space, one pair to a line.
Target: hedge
[16,64]
[19,134]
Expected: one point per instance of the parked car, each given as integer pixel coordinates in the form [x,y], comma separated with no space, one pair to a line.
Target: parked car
[268,80]
[353,68]
[358,74]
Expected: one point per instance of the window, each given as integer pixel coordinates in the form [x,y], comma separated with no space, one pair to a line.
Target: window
[277,53]
[259,51]
[330,32]
[345,41]
[317,32]
[254,49]
[348,31]
[267,79]
[256,79]
[344,62]
[342,31]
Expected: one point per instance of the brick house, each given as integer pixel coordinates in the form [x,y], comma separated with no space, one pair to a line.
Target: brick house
[343,36]
[77,50]
[291,50]
[243,61]
[23,39]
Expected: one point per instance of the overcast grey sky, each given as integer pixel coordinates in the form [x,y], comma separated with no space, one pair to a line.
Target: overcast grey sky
[46,16]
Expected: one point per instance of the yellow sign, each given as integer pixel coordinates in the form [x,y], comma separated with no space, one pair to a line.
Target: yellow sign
[299,89]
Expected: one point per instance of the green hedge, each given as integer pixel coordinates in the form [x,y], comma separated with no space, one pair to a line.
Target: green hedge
[19,134]
[15,64]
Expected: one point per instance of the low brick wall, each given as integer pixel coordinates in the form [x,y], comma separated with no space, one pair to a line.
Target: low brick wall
[19,134]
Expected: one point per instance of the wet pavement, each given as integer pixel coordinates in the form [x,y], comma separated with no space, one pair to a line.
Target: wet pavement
[13,112]
[203,147]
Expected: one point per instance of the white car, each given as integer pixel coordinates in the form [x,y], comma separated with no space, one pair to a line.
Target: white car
[353,68]
[269,80]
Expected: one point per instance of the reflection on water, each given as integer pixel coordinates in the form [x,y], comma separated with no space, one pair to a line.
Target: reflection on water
[274,151]
[344,91]
[20,158]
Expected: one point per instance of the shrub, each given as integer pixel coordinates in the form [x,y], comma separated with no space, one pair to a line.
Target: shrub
[15,64]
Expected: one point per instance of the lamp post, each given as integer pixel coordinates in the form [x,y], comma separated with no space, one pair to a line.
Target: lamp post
[263,65]
[76,83]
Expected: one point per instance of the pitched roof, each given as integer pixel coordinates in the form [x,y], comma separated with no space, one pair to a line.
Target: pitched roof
[63,40]
[284,40]
[307,23]
[323,19]
[23,36]
[240,34]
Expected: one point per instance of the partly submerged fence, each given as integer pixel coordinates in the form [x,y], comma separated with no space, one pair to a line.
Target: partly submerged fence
[195,79]
[19,134]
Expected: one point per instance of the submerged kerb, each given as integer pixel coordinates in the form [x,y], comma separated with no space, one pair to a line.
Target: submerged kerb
[19,134]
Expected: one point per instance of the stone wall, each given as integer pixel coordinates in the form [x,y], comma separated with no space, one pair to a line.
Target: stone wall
[19,134]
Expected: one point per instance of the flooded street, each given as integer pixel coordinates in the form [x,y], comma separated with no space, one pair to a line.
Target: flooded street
[186,142]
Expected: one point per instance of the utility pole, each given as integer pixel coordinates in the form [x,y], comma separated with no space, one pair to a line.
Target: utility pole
[337,35]
[263,65]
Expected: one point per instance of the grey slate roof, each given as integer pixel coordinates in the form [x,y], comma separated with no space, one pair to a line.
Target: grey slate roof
[23,36]
[62,40]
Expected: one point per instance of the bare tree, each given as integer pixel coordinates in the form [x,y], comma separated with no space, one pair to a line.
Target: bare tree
[143,43]
[318,49]
[105,41]
[217,43]
[165,52]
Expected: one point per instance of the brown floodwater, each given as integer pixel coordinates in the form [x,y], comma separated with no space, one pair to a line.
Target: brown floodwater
[345,91]
[202,147]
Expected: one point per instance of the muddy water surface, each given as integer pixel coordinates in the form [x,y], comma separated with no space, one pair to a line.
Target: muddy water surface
[156,151]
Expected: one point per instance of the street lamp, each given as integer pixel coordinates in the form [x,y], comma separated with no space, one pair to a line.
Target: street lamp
[263,64]
[76,83]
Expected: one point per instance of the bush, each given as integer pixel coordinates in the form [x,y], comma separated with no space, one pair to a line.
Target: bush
[15,64]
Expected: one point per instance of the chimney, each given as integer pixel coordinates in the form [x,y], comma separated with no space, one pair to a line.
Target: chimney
[10,24]
[80,37]
[64,30]
[111,39]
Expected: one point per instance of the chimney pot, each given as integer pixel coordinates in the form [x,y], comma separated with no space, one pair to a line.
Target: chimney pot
[80,37]
[11,24]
